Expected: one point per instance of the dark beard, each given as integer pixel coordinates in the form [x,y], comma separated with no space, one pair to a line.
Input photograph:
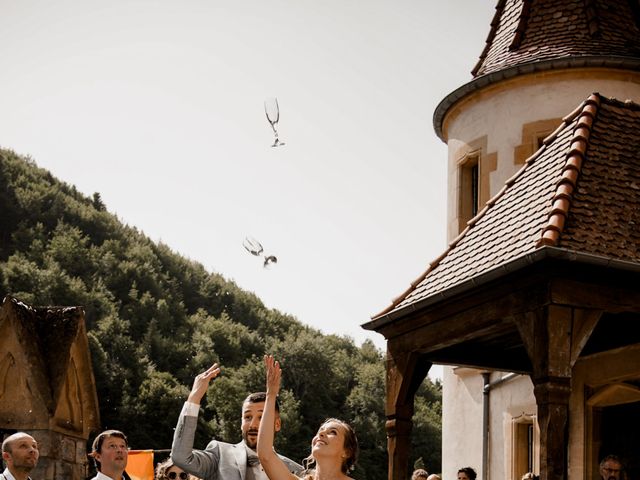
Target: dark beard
[251,443]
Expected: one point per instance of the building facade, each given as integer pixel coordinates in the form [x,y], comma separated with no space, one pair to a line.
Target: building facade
[534,304]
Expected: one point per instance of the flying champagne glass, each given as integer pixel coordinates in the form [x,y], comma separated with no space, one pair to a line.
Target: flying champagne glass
[272,111]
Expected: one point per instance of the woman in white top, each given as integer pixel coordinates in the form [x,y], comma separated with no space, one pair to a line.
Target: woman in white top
[334,448]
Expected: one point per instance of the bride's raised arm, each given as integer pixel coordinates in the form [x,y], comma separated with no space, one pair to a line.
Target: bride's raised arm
[273,466]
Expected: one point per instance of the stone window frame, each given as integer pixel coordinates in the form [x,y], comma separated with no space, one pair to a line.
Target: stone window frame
[469,174]
[523,451]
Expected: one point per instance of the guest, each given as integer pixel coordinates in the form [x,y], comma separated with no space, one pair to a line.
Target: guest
[467,473]
[167,470]
[110,452]
[20,453]
[420,474]
[611,468]
[221,460]
[334,449]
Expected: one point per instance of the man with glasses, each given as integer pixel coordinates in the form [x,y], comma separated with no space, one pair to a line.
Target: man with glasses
[221,460]
[110,452]
[611,468]
[20,453]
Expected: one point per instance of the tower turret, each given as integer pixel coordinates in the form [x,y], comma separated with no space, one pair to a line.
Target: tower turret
[541,59]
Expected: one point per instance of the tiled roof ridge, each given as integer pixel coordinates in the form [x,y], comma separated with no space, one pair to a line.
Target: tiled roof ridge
[490,203]
[628,103]
[561,201]
[495,23]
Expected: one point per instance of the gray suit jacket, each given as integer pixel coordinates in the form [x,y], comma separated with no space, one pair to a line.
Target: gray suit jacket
[219,461]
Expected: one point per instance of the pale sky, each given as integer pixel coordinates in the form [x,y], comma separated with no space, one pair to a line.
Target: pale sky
[158,105]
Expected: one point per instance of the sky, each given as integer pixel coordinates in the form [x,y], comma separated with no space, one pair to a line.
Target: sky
[158,106]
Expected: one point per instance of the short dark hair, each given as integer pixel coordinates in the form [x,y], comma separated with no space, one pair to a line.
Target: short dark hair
[260,397]
[471,473]
[613,458]
[99,440]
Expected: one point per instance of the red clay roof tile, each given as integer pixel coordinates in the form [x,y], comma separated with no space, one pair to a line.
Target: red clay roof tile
[524,31]
[580,191]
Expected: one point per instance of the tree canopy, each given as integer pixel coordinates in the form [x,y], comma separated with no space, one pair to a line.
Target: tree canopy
[155,319]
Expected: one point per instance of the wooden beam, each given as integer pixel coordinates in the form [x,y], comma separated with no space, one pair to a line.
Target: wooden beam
[559,323]
[405,373]
[609,297]
[488,361]
[435,337]
[546,334]
[528,324]
[462,315]
[584,322]
[552,396]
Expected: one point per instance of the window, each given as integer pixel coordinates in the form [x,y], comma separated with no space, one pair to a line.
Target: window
[475,189]
[469,197]
[524,446]
[533,135]
[474,165]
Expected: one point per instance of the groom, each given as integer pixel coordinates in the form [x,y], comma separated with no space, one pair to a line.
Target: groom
[221,460]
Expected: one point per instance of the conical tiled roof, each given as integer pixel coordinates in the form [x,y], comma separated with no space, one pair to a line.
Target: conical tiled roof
[579,193]
[531,36]
[525,31]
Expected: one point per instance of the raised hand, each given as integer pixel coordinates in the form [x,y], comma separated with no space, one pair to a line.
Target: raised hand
[274,373]
[201,383]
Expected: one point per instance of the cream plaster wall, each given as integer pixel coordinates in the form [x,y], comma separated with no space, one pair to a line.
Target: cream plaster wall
[499,112]
[508,401]
[462,420]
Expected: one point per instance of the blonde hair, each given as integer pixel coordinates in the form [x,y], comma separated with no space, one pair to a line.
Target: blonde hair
[419,473]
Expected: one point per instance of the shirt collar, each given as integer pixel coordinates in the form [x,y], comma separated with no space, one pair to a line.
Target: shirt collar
[102,476]
[8,476]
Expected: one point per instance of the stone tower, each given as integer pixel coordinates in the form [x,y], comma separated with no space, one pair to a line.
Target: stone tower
[542,58]
[47,387]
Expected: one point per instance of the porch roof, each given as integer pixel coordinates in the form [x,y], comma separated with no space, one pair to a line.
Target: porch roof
[579,194]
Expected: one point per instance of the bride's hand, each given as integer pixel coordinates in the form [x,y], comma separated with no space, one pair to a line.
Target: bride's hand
[274,373]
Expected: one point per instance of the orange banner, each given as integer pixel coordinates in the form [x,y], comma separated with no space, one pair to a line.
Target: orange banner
[140,464]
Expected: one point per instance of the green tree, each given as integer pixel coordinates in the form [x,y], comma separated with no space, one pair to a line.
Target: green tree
[155,319]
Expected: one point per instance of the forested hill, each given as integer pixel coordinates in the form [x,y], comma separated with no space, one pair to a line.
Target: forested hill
[155,319]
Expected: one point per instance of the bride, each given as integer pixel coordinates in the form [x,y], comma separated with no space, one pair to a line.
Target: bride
[333,449]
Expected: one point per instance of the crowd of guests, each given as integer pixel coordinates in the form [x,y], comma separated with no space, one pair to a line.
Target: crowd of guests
[333,453]
[611,468]
[422,474]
